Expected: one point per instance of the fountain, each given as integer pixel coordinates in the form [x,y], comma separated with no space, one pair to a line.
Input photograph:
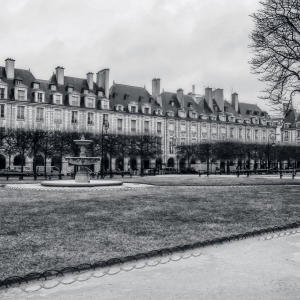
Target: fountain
[82,177]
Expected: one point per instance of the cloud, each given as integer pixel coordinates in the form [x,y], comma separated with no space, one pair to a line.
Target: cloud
[184,42]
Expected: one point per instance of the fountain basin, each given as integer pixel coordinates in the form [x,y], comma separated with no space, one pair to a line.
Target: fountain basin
[82,161]
[72,183]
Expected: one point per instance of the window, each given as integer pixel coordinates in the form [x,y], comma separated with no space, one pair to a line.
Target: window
[256,113]
[133,125]
[74,119]
[70,89]
[194,115]
[264,135]
[21,95]
[147,110]
[105,117]
[225,108]
[120,124]
[171,129]
[158,127]
[21,113]
[223,130]
[57,99]
[286,135]
[171,113]
[104,104]
[74,101]
[256,134]
[40,114]
[2,112]
[133,109]
[100,94]
[240,133]
[248,133]
[90,102]
[57,116]
[53,87]
[182,142]
[120,108]
[90,119]
[231,132]
[36,85]
[298,125]
[286,125]
[248,112]
[183,128]
[2,93]
[298,134]
[147,126]
[216,108]
[39,97]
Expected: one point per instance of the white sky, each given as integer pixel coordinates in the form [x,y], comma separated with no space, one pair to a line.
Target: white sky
[183,42]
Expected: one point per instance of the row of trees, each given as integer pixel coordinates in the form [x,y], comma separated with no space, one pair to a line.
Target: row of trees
[228,150]
[35,142]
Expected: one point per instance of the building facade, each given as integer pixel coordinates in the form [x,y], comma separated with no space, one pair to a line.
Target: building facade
[81,104]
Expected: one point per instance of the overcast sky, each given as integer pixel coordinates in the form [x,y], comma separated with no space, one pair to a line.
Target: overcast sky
[183,42]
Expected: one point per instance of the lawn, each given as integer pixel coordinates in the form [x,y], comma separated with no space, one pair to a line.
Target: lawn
[40,231]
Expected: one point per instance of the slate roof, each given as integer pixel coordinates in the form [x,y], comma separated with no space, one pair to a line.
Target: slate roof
[243,107]
[292,117]
[137,94]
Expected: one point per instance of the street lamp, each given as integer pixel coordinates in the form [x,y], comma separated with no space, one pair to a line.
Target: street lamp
[173,144]
[105,126]
[272,138]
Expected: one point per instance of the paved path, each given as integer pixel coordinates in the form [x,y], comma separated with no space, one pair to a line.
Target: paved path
[249,269]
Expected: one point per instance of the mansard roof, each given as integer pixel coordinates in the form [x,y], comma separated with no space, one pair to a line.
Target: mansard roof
[133,93]
[244,107]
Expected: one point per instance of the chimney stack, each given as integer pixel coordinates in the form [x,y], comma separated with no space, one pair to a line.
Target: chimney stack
[103,81]
[219,98]
[235,101]
[10,68]
[60,77]
[90,81]
[209,98]
[193,89]
[180,97]
[155,87]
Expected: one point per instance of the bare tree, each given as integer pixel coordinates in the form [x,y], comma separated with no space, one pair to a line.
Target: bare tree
[276,48]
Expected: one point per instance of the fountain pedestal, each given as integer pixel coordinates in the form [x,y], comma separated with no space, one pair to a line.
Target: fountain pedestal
[82,176]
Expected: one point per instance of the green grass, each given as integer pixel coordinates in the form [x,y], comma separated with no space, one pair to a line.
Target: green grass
[40,231]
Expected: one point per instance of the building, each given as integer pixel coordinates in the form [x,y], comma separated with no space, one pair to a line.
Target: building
[81,104]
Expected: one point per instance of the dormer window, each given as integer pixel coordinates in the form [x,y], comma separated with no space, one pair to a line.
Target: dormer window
[70,89]
[2,93]
[141,98]
[100,94]
[263,114]
[21,95]
[133,109]
[171,113]
[36,85]
[104,104]
[85,91]
[57,99]
[114,95]
[18,81]
[226,108]
[249,112]
[216,108]
[256,113]
[90,102]
[286,125]
[147,110]
[40,97]
[172,102]
[74,101]
[53,87]
[119,107]
[190,104]
[298,124]
[3,90]
[126,97]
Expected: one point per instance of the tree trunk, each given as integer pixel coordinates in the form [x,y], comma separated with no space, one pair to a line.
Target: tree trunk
[110,170]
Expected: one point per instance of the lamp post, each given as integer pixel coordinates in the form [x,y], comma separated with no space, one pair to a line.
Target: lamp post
[105,126]
[272,138]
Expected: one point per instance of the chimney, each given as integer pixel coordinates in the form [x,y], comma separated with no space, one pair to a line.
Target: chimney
[209,98]
[103,81]
[180,97]
[90,81]
[235,101]
[193,89]
[158,86]
[219,98]
[154,93]
[10,68]
[60,77]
